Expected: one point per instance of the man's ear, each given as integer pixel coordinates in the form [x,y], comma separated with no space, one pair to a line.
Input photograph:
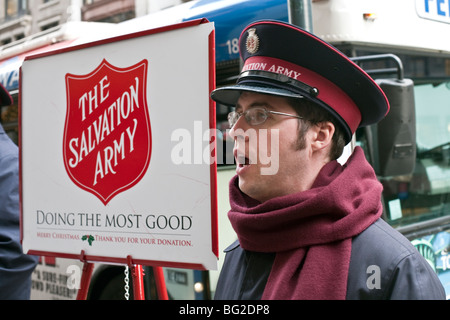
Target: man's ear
[323,135]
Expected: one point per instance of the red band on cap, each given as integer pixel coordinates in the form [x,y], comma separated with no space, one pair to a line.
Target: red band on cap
[329,93]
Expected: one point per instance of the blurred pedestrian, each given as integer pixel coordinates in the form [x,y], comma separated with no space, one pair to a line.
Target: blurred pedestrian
[15,266]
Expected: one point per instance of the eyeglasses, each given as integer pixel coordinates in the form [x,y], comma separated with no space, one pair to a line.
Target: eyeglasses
[255,116]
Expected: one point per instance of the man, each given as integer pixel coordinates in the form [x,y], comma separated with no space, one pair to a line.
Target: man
[312,229]
[15,266]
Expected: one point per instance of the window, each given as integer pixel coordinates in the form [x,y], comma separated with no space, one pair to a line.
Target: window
[15,8]
[425,194]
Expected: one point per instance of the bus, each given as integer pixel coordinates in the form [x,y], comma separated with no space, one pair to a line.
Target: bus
[399,44]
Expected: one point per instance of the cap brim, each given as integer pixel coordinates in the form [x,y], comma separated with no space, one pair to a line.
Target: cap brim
[230,95]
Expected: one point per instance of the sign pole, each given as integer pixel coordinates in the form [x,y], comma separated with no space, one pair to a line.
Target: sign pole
[137,275]
[160,283]
[138,283]
[86,276]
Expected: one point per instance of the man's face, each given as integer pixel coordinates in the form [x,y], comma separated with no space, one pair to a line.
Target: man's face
[268,162]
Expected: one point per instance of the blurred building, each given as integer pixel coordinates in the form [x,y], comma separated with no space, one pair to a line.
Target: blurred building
[23,18]
[28,26]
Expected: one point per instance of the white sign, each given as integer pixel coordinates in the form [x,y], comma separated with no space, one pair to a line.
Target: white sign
[98,177]
[437,10]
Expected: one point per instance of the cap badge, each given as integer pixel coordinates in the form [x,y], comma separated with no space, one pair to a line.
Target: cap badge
[252,43]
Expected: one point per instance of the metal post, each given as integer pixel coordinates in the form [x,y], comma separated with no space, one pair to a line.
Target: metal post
[300,14]
[138,282]
[88,268]
[160,283]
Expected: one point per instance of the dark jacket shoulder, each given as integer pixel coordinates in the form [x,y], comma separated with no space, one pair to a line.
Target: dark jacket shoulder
[385,265]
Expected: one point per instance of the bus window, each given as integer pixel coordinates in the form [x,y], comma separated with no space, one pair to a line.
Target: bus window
[433,126]
[425,194]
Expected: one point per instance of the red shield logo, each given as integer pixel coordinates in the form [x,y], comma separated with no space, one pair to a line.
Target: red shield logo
[107,133]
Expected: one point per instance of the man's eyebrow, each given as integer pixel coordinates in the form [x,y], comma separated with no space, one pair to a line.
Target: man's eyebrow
[254,105]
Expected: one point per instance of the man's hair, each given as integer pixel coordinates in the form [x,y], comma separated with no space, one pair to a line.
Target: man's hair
[313,114]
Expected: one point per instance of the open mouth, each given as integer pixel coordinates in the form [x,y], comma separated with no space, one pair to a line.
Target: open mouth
[241,159]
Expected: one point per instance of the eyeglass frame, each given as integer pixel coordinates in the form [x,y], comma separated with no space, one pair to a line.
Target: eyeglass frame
[266,112]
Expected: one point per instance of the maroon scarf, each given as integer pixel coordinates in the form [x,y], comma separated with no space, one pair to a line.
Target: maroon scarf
[310,232]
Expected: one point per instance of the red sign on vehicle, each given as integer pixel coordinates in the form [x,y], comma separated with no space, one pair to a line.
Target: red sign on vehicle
[107,134]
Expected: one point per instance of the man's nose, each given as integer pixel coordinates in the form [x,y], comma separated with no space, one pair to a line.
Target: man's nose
[237,131]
